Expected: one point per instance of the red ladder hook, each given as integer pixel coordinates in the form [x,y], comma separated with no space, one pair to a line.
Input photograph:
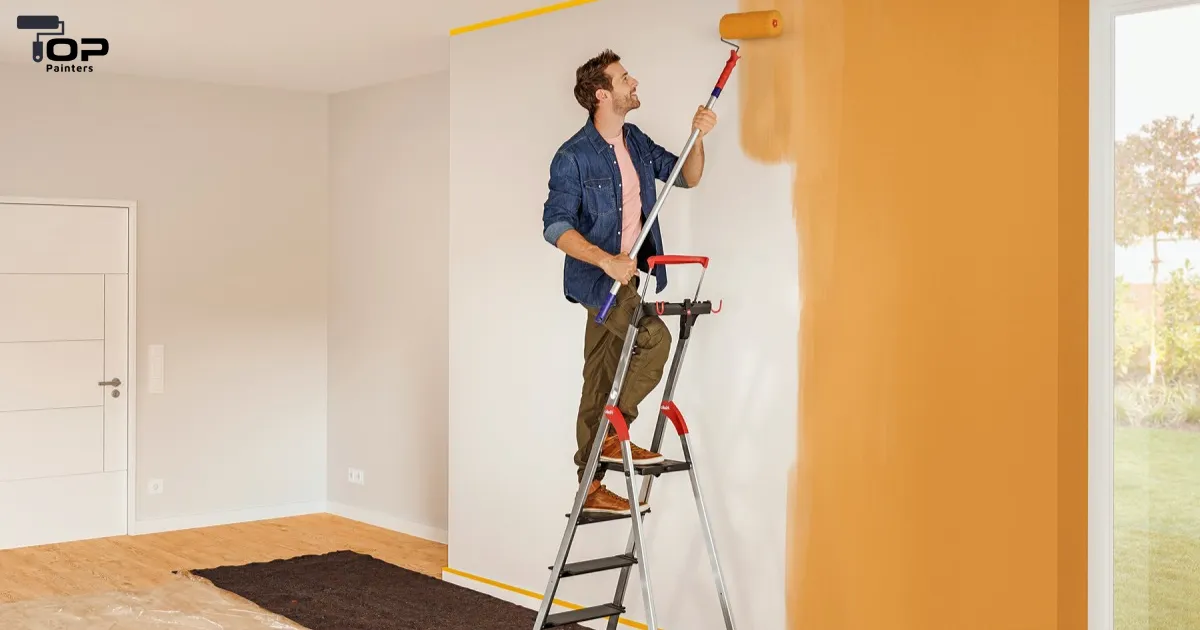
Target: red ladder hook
[719,305]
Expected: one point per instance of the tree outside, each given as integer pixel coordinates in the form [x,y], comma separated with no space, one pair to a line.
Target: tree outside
[1157,361]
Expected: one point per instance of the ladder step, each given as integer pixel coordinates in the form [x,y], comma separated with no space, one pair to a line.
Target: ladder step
[597,565]
[583,614]
[588,518]
[665,466]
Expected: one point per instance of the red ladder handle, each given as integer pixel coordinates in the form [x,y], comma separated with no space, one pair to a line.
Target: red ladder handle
[617,420]
[672,412]
[677,260]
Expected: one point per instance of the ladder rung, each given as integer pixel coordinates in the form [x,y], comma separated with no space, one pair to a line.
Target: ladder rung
[595,566]
[665,466]
[583,614]
[587,518]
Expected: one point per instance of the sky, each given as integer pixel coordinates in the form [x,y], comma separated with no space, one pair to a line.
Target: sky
[1157,74]
[1157,66]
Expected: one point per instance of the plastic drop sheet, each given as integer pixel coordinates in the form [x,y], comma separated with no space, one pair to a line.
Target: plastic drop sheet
[185,603]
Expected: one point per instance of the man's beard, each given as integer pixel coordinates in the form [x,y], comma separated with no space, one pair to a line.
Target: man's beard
[627,104]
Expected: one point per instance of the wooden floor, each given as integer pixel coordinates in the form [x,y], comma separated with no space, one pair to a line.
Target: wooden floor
[131,563]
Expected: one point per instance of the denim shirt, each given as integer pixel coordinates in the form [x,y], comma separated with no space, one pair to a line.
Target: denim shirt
[585,195]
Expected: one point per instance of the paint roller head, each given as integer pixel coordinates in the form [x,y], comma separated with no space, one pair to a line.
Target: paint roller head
[751,25]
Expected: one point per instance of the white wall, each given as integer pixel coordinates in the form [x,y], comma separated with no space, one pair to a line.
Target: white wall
[233,263]
[388,304]
[515,346]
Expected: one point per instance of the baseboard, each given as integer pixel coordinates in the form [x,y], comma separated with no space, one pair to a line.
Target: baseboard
[387,521]
[192,521]
[370,517]
[522,597]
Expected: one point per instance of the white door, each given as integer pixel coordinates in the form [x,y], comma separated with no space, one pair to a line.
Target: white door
[64,332]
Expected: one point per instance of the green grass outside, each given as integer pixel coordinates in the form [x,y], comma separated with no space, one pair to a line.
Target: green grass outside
[1157,546]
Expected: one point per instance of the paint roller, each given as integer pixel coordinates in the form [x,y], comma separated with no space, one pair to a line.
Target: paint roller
[48,24]
[740,26]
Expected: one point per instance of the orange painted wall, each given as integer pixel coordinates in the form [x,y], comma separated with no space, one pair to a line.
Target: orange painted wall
[941,208]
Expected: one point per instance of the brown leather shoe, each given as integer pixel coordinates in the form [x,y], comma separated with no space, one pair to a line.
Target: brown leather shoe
[610,452]
[601,500]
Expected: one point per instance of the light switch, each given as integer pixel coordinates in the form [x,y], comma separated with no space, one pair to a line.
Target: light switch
[156,369]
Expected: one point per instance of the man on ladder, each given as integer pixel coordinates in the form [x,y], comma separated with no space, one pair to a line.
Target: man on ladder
[602,182]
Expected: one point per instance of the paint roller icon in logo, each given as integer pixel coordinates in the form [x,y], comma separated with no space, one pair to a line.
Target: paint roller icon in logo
[54,30]
[47,24]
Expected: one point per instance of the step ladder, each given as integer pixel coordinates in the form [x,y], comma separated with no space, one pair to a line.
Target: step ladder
[635,551]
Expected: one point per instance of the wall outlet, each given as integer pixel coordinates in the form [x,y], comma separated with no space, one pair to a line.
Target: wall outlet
[357,477]
[155,486]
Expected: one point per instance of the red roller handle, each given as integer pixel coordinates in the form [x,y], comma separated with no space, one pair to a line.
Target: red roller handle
[733,59]
[677,260]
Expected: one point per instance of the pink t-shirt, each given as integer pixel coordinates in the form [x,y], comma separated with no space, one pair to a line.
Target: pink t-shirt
[631,195]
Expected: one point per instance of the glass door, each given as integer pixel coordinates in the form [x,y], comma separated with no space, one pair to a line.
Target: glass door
[1155,187]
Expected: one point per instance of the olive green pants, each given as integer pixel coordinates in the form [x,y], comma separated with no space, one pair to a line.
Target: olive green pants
[602,345]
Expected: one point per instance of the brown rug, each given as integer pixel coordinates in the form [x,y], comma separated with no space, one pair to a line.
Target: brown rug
[346,590]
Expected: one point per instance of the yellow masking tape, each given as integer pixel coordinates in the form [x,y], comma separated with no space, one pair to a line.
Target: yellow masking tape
[517,16]
[528,593]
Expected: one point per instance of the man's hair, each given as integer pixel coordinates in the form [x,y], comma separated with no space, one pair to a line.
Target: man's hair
[591,77]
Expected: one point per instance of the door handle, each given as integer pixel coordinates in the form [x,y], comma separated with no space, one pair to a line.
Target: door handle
[116,382]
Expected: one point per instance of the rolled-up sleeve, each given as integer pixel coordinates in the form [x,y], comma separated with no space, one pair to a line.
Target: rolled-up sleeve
[664,162]
[561,211]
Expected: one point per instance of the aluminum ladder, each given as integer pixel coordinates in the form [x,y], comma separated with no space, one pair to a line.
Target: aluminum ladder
[635,551]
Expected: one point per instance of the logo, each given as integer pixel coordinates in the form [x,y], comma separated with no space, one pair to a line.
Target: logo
[60,50]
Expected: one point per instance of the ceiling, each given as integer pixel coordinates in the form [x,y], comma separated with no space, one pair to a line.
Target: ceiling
[315,45]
